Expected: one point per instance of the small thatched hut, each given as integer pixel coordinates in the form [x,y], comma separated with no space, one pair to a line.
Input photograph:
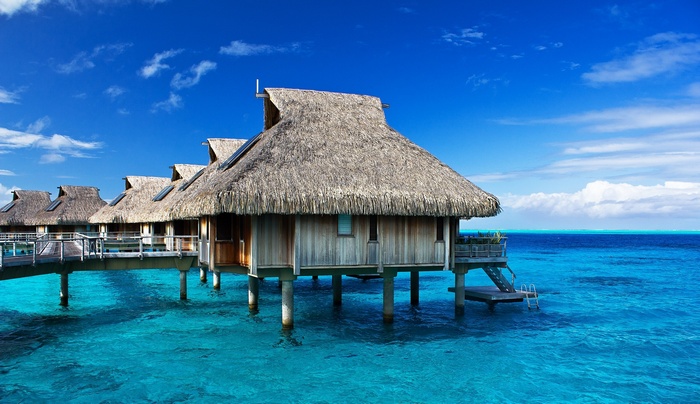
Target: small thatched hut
[328,185]
[70,211]
[17,216]
[124,213]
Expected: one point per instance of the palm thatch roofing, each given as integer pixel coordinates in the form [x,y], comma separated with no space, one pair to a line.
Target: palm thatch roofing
[24,207]
[73,206]
[332,153]
[127,207]
[221,148]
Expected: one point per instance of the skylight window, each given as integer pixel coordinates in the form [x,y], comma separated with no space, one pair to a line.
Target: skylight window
[239,153]
[163,193]
[117,199]
[53,205]
[189,182]
[7,207]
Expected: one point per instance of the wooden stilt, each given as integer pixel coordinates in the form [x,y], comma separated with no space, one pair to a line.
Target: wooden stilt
[337,281]
[459,293]
[217,280]
[64,289]
[415,286]
[183,285]
[388,298]
[287,304]
[253,292]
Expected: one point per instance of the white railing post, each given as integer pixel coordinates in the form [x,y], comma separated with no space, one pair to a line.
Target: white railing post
[140,247]
[62,252]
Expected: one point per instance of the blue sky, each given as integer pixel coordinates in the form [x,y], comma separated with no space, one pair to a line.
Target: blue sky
[577,115]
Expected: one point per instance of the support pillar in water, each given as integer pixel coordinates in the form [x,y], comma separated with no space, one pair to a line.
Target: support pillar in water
[203,275]
[217,280]
[459,294]
[388,298]
[64,289]
[183,285]
[415,288]
[287,304]
[253,292]
[337,282]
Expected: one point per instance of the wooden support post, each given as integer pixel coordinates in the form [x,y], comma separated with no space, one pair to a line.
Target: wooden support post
[287,304]
[253,270]
[388,298]
[415,286]
[64,289]
[337,282]
[183,285]
[297,245]
[459,293]
[253,292]
[217,280]
[203,275]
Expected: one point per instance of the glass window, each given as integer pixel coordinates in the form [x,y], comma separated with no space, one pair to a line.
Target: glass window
[373,228]
[345,225]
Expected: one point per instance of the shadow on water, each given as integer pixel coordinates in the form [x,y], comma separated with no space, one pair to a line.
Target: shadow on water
[30,332]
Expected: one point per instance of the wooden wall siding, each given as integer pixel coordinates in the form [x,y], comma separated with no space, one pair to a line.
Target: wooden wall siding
[318,240]
[409,240]
[402,241]
[275,243]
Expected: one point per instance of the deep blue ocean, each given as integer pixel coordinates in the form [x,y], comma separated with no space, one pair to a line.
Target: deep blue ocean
[619,322]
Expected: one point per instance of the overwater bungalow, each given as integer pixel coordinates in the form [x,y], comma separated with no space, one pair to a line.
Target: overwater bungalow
[17,215]
[329,188]
[121,216]
[70,212]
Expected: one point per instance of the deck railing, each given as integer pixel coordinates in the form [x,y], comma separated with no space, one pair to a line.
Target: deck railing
[481,247]
[39,247]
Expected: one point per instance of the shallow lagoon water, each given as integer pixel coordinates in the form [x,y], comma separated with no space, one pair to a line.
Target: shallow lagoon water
[618,323]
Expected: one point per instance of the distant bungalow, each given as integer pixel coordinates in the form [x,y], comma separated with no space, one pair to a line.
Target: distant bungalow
[15,217]
[69,212]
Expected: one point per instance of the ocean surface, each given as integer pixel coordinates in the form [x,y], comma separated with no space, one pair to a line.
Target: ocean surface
[619,321]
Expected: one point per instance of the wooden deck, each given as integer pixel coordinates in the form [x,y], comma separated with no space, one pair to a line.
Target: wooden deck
[492,295]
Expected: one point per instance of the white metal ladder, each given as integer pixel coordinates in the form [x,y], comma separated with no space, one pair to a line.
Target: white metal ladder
[530,290]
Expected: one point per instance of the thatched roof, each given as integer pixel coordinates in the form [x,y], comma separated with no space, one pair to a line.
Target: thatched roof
[330,153]
[182,172]
[25,206]
[221,148]
[73,206]
[137,195]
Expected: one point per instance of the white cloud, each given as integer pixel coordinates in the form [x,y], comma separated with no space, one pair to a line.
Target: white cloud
[57,145]
[10,7]
[6,172]
[85,61]
[694,90]
[637,117]
[39,125]
[662,53]
[602,199]
[114,91]
[465,36]
[193,76]
[173,102]
[155,65]
[240,48]
[51,158]
[8,97]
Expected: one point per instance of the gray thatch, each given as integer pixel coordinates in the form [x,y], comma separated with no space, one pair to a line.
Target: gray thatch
[330,153]
[26,205]
[221,148]
[138,193]
[73,206]
[157,211]
[183,172]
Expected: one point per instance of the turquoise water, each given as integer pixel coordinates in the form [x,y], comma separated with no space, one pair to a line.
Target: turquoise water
[619,322]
